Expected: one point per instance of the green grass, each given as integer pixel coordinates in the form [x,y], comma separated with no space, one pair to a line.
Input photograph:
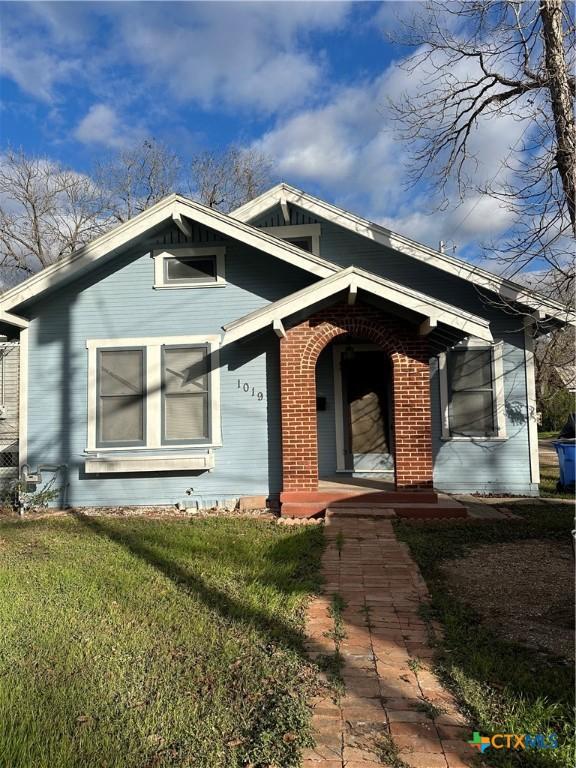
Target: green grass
[549,476]
[506,688]
[148,643]
[547,435]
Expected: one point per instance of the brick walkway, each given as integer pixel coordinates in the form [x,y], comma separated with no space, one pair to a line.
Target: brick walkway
[389,689]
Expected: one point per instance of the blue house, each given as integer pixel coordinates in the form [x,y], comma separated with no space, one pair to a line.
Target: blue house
[281,351]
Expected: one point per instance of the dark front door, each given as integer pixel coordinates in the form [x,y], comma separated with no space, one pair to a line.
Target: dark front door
[368,431]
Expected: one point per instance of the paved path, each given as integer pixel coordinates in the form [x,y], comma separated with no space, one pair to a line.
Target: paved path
[384,646]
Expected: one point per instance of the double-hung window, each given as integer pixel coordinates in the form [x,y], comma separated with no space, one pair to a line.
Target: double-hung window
[153,393]
[120,409]
[185,394]
[471,388]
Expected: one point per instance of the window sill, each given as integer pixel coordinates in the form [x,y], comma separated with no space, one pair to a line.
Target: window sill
[188,286]
[160,463]
[462,439]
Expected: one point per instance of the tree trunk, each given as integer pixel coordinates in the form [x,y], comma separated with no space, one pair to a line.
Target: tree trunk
[561,98]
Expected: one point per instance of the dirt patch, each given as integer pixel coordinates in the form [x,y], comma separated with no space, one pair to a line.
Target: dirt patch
[524,591]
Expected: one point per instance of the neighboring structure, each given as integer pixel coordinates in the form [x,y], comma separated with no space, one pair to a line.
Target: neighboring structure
[566,375]
[192,356]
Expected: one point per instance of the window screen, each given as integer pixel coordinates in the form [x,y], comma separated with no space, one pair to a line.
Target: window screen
[190,269]
[186,394]
[121,391]
[471,392]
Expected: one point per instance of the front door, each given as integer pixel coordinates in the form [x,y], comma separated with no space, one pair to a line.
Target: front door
[367,411]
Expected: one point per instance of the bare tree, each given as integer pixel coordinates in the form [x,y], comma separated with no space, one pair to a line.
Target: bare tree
[134,179]
[480,60]
[46,212]
[228,179]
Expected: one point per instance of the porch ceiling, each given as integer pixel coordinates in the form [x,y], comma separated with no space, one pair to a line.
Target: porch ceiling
[444,323]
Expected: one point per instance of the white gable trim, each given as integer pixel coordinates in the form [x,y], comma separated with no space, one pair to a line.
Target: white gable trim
[506,289]
[172,207]
[355,279]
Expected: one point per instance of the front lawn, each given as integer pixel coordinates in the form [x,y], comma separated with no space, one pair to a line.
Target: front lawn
[505,686]
[151,643]
[549,476]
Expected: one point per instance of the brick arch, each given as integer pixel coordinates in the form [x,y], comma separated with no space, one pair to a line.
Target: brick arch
[299,352]
[326,332]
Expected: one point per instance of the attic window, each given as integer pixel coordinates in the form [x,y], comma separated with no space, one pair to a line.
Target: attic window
[302,242]
[305,236]
[189,268]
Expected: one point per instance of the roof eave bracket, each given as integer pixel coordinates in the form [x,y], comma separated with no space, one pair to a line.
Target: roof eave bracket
[182,225]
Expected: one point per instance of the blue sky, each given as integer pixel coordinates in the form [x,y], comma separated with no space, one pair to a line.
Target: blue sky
[305,82]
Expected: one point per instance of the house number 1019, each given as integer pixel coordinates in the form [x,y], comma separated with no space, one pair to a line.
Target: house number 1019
[247,388]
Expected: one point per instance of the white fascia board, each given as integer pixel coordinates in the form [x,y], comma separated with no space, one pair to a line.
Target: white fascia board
[431,309]
[11,319]
[175,208]
[506,289]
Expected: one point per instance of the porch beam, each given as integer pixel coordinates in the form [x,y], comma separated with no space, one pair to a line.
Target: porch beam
[183,226]
[278,327]
[427,326]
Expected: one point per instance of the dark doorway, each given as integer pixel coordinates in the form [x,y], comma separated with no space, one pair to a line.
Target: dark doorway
[368,412]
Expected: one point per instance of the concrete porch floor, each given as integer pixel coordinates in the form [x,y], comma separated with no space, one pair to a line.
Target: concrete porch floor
[346,482]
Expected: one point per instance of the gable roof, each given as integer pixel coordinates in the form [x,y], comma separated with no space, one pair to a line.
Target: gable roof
[172,207]
[351,279]
[507,290]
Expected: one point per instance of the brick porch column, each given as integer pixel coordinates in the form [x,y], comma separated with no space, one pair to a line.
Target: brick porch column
[299,351]
[298,407]
[412,422]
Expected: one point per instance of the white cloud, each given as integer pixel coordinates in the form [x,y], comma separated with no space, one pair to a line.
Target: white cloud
[348,150]
[231,54]
[35,70]
[101,125]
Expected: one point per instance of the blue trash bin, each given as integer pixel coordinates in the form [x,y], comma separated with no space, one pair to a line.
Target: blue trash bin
[566,450]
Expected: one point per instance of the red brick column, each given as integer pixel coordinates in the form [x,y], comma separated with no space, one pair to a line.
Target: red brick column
[299,351]
[412,422]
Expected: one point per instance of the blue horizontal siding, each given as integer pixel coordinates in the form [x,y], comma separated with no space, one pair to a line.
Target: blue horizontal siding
[118,301]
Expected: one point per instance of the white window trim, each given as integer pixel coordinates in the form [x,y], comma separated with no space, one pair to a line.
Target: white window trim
[498,400]
[167,253]
[153,404]
[298,230]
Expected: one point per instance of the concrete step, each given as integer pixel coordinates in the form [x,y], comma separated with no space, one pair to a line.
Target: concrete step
[446,508]
[382,513]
